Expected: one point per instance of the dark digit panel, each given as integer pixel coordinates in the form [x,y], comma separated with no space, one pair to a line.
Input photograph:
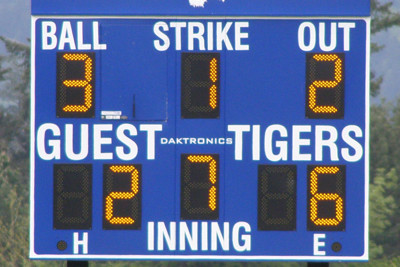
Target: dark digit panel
[199,187]
[325,86]
[326,198]
[75,85]
[122,196]
[277,197]
[200,86]
[72,207]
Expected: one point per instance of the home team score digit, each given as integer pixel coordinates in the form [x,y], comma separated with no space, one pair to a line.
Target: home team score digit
[206,151]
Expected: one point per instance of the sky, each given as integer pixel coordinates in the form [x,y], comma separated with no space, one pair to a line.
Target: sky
[15,19]
[15,24]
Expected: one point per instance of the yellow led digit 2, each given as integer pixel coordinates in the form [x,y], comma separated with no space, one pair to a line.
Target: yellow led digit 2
[120,206]
[88,98]
[325,86]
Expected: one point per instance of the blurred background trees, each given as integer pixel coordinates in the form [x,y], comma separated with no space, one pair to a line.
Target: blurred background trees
[14,163]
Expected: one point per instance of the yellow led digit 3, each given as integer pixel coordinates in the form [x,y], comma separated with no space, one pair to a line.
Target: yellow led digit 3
[75,85]
[325,86]
[199,187]
[326,198]
[200,85]
[122,196]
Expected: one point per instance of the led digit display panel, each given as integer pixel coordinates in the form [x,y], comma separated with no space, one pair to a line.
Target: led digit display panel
[199,187]
[325,86]
[326,198]
[200,85]
[277,197]
[72,208]
[75,85]
[248,143]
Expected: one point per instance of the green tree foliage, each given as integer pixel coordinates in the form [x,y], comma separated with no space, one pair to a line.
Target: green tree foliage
[384,137]
[380,136]
[393,262]
[13,216]
[14,150]
[382,18]
[14,99]
[384,157]
[385,183]
[385,220]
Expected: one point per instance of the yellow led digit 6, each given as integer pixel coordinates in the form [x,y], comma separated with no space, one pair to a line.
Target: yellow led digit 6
[121,196]
[199,187]
[324,197]
[325,86]
[326,193]
[75,85]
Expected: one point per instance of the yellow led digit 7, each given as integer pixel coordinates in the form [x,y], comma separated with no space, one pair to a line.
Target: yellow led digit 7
[75,85]
[326,198]
[325,86]
[122,196]
[199,187]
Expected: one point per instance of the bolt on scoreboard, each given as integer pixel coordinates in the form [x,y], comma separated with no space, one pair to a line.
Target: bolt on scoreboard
[200,130]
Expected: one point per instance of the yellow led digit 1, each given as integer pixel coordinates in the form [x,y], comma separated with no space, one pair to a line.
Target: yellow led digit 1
[75,85]
[122,196]
[326,198]
[214,78]
[199,187]
[325,86]
[200,90]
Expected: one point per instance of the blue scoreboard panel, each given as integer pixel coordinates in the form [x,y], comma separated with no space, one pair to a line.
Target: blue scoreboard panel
[199,137]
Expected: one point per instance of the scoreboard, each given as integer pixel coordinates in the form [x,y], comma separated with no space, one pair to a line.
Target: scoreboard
[199,130]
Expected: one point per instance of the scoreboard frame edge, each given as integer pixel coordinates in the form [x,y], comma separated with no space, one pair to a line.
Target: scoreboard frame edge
[35,256]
